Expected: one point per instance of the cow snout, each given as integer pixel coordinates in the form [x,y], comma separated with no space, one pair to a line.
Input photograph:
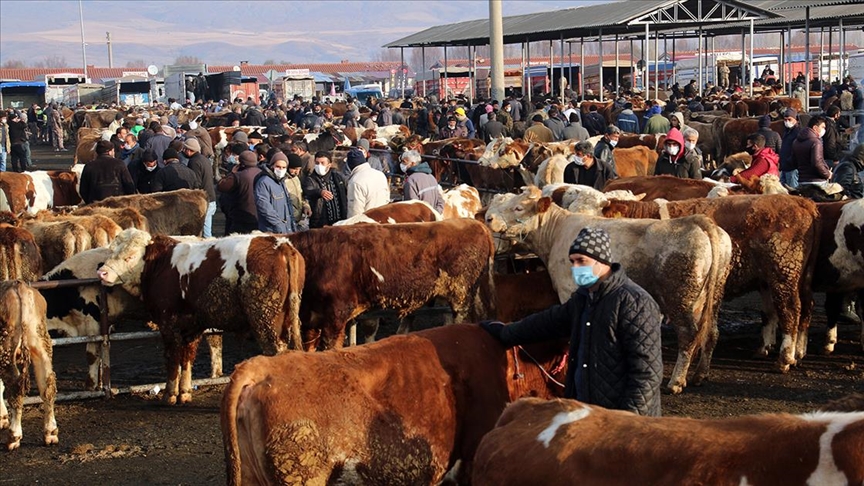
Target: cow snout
[106,275]
[495,224]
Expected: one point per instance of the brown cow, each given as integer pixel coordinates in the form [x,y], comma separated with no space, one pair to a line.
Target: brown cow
[735,133]
[179,212]
[352,416]
[520,295]
[19,254]
[635,161]
[462,201]
[125,217]
[542,442]
[100,228]
[775,244]
[662,187]
[57,240]
[352,269]
[240,283]
[24,341]
[411,211]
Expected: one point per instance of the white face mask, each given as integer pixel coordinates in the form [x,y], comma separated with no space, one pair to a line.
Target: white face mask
[151,169]
[673,149]
[127,146]
[280,173]
[578,160]
[403,167]
[689,145]
[193,125]
[321,169]
[789,124]
[821,132]
[613,142]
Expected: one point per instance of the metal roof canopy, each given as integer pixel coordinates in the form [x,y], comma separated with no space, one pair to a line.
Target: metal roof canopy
[587,20]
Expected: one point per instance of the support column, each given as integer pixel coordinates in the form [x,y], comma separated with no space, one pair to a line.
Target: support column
[842,70]
[617,73]
[656,67]
[632,69]
[445,76]
[402,72]
[645,47]
[807,64]
[423,70]
[713,60]
[699,53]
[675,60]
[552,69]
[528,67]
[600,41]
[792,74]
[582,68]
[496,51]
[570,69]
[471,94]
[751,58]
[743,59]
[562,78]
[830,50]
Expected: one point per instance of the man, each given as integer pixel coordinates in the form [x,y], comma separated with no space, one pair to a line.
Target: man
[614,328]
[772,138]
[765,160]
[605,146]
[807,154]
[831,143]
[254,117]
[538,132]
[174,175]
[575,130]
[143,171]
[494,128]
[788,169]
[584,169]
[367,187]
[239,184]
[453,130]
[695,105]
[201,87]
[56,125]
[847,174]
[555,124]
[691,89]
[463,121]
[374,161]
[105,176]
[17,143]
[159,142]
[131,153]
[657,124]
[514,109]
[420,183]
[301,149]
[594,122]
[5,144]
[203,137]
[326,191]
[627,120]
[676,161]
[723,70]
[202,168]
[691,139]
[295,190]
[272,202]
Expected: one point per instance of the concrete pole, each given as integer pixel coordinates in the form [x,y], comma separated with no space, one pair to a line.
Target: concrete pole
[444,98]
[110,50]
[807,63]
[791,72]
[699,53]
[842,68]
[617,73]
[600,41]
[496,49]
[582,68]
[645,48]
[570,68]
[83,44]
[751,57]
[552,69]
[561,78]
[423,60]
[528,67]
[471,94]
[656,65]
[402,72]
[713,60]
[830,49]
[632,70]
[743,58]
[522,65]
[822,55]
[675,60]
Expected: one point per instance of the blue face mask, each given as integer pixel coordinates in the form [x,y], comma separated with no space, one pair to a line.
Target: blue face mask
[584,276]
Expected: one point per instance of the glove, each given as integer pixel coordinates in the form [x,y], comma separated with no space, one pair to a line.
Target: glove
[493,327]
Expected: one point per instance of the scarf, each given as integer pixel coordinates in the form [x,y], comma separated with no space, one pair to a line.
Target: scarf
[332,206]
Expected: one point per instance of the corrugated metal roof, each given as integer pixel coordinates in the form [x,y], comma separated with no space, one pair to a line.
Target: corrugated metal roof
[30,74]
[775,5]
[613,17]
[852,15]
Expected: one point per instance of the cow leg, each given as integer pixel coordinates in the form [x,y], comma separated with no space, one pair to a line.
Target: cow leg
[769,324]
[405,324]
[19,382]
[806,300]
[311,338]
[214,342]
[787,305]
[46,381]
[188,352]
[4,413]
[93,365]
[173,343]
[369,328]
[686,332]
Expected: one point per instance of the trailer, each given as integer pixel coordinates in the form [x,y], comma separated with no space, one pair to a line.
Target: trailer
[129,91]
[79,93]
[295,82]
[231,85]
[56,83]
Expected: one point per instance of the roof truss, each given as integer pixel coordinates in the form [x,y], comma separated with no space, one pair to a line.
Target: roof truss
[698,11]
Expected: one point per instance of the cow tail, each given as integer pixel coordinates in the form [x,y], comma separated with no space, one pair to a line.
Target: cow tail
[296,281]
[486,305]
[716,282]
[230,442]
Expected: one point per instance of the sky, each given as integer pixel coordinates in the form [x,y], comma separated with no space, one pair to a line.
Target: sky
[227,32]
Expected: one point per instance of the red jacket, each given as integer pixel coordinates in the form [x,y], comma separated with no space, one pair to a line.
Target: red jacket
[764,162]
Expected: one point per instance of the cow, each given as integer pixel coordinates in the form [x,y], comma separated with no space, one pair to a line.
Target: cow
[411,211]
[462,201]
[775,245]
[239,283]
[352,416]
[24,341]
[179,212]
[522,294]
[840,263]
[683,264]
[85,149]
[124,217]
[99,118]
[352,269]
[665,187]
[58,240]
[573,197]
[543,441]
[37,190]
[20,257]
[100,228]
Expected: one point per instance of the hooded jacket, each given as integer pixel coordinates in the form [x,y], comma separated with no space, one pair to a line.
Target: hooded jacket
[421,184]
[847,174]
[615,355]
[686,164]
[789,136]
[628,121]
[273,204]
[764,162]
[807,157]
[772,138]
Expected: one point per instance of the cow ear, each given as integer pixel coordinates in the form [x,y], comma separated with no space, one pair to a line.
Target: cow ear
[640,197]
[543,204]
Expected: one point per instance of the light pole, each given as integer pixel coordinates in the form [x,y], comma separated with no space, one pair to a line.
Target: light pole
[83,44]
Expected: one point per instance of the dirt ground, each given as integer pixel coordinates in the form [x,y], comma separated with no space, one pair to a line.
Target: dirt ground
[135,440]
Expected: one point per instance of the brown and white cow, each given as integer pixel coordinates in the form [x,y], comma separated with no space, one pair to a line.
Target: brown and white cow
[682,263]
[542,442]
[462,201]
[24,341]
[239,283]
[403,410]
[179,212]
[101,229]
[665,187]
[412,211]
[775,244]
[37,190]
[352,269]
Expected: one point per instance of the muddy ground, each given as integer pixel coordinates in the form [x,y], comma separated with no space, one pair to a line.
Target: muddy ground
[134,440]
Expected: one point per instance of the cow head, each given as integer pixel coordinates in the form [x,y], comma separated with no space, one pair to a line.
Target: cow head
[516,215]
[126,262]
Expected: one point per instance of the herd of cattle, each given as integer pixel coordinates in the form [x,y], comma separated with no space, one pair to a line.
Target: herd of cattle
[422,408]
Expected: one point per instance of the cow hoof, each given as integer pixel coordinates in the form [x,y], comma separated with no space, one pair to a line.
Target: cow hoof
[784,368]
[828,349]
[14,443]
[51,437]
[761,353]
[698,380]
[185,397]
[675,389]
[169,399]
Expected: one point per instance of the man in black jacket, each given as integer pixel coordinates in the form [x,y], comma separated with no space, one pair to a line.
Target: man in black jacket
[585,169]
[614,328]
[174,175]
[105,176]
[203,169]
[832,149]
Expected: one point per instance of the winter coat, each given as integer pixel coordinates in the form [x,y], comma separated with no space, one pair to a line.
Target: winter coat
[204,170]
[421,184]
[175,176]
[557,127]
[686,164]
[105,177]
[5,140]
[658,125]
[312,187]
[538,132]
[847,174]
[273,204]
[615,356]
[158,143]
[367,189]
[204,140]
[764,162]
[459,132]
[772,139]
[141,177]
[628,121]
[132,156]
[493,129]
[254,118]
[575,131]
[604,153]
[295,191]
[831,145]
[594,123]
[595,176]
[807,157]
[789,136]
[241,185]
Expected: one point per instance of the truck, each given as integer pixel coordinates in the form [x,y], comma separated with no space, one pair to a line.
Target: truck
[295,82]
[56,83]
[364,92]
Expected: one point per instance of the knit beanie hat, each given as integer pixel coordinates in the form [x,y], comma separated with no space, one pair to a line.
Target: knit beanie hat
[248,159]
[355,158]
[240,136]
[764,121]
[294,161]
[279,156]
[593,242]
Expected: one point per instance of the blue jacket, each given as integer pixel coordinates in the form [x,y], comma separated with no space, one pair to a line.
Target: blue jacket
[275,211]
[789,136]
[628,121]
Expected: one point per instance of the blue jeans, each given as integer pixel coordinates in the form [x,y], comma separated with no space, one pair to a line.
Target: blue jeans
[790,178]
[2,160]
[208,220]
[27,156]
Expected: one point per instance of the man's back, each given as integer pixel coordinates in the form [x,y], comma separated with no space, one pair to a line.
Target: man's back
[367,189]
[539,133]
[105,177]
[175,176]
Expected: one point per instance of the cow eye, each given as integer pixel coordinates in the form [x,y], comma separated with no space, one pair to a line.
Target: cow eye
[518,208]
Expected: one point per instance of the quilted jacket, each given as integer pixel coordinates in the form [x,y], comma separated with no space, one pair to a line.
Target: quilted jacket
[615,356]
